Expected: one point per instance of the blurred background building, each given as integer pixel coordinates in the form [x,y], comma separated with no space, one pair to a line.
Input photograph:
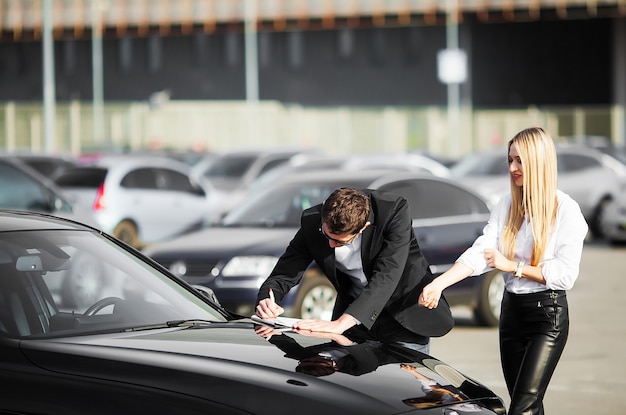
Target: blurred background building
[342,75]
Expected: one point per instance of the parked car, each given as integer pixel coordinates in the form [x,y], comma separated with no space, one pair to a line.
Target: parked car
[138,199]
[234,257]
[24,188]
[589,176]
[150,343]
[318,162]
[231,173]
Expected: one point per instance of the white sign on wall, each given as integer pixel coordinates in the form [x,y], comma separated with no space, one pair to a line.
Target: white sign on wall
[452,66]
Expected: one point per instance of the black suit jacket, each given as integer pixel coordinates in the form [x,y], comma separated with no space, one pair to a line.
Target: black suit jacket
[393,264]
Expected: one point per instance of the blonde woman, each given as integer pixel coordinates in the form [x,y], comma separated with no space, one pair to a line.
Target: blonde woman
[535,237]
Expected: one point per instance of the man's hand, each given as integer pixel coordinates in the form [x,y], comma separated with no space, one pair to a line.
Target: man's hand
[343,323]
[267,307]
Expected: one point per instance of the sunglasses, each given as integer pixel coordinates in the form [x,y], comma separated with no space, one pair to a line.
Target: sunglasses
[337,241]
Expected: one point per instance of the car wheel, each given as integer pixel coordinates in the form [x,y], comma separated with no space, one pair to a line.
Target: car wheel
[316,298]
[83,285]
[610,210]
[126,231]
[598,222]
[487,311]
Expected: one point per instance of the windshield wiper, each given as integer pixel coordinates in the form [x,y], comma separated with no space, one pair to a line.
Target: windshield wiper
[190,322]
[172,323]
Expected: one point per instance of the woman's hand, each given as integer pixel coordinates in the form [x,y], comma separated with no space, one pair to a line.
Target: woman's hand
[430,296]
[496,260]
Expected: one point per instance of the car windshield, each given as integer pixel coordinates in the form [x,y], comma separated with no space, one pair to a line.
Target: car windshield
[70,282]
[282,205]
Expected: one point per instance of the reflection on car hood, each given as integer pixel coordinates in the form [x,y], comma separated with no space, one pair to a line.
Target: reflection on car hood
[227,240]
[230,363]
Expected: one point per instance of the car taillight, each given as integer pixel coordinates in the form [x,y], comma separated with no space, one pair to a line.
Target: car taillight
[99,202]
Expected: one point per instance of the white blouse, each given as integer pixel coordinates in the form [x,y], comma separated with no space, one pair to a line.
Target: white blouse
[561,262]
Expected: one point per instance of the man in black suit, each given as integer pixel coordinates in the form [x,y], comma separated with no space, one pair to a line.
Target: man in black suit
[364,243]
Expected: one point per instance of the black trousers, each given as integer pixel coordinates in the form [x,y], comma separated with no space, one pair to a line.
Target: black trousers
[533,333]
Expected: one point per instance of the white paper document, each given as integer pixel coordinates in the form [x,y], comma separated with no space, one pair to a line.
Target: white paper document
[278,322]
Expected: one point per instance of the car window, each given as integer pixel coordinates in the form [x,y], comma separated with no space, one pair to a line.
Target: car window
[81,177]
[282,206]
[39,269]
[576,162]
[230,166]
[175,181]
[143,178]
[272,164]
[481,165]
[433,199]
[19,191]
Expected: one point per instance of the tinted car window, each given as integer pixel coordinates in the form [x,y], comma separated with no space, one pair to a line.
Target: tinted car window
[141,179]
[282,206]
[576,162]
[18,191]
[173,180]
[230,166]
[481,165]
[432,199]
[81,177]
[273,163]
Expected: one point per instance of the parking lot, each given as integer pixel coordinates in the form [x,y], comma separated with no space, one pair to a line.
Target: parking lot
[590,377]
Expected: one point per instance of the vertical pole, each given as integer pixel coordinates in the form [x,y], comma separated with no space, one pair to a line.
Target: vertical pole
[96,63]
[454,99]
[252,69]
[49,91]
[251,47]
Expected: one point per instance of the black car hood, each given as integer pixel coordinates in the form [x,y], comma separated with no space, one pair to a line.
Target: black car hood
[231,364]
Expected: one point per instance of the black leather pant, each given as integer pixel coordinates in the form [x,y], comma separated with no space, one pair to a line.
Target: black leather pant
[533,333]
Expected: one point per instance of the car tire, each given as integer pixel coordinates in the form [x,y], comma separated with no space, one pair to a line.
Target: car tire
[597,223]
[487,311]
[126,231]
[316,298]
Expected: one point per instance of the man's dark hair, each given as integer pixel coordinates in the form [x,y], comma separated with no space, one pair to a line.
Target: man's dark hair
[346,211]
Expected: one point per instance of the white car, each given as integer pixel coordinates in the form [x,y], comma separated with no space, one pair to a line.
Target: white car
[590,177]
[139,199]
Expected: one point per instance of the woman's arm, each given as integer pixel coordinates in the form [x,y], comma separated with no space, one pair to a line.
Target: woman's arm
[432,292]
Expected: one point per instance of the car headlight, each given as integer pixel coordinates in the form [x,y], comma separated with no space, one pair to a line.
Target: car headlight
[250,266]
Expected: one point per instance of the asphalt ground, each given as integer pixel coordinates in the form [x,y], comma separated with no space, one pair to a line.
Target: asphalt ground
[591,376]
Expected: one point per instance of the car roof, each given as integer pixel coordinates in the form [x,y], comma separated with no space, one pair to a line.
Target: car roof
[333,175]
[125,161]
[13,220]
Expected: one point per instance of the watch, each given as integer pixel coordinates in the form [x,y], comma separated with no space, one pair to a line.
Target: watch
[519,269]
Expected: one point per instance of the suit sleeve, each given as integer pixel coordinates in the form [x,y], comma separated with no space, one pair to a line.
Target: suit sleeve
[289,269]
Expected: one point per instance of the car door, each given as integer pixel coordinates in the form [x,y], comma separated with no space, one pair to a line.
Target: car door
[165,203]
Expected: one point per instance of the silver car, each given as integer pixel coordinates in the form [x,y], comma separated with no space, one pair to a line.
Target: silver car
[590,177]
[138,199]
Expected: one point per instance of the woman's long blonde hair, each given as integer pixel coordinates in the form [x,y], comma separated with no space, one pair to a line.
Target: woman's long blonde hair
[537,197]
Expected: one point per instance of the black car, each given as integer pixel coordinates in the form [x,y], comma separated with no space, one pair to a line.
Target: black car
[234,257]
[152,344]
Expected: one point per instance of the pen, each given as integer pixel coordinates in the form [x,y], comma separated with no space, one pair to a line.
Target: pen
[272,296]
